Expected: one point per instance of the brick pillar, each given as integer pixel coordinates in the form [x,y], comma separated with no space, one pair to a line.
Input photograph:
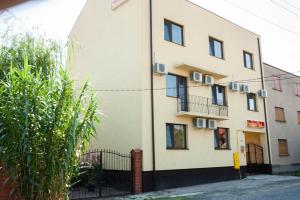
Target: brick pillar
[136,169]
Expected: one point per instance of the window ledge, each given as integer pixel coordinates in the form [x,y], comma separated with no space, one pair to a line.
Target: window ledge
[277,89]
[253,110]
[279,121]
[178,149]
[284,154]
[226,149]
[217,57]
[182,45]
[253,69]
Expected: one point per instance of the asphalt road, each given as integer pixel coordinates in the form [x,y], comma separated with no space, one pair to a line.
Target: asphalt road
[263,187]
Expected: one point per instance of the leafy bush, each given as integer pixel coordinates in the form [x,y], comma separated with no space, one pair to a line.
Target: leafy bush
[45,123]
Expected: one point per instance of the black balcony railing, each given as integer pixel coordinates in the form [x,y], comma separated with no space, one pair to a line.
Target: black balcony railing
[202,106]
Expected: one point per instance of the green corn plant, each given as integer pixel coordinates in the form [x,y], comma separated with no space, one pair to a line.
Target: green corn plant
[45,122]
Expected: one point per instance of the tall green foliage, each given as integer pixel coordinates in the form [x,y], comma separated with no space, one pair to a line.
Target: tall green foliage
[45,123]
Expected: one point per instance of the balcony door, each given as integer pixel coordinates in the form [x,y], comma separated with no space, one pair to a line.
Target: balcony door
[218,95]
[177,87]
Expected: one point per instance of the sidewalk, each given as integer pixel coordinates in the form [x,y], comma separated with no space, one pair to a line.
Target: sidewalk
[250,188]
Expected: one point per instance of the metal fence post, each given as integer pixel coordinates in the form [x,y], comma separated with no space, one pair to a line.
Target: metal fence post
[101,173]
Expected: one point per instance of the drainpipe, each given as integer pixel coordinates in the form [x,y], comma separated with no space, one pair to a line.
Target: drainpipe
[152,99]
[265,106]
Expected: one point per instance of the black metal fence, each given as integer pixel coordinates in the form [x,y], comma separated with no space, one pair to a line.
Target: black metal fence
[202,105]
[255,159]
[102,173]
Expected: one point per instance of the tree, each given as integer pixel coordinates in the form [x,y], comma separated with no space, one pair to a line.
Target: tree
[45,122]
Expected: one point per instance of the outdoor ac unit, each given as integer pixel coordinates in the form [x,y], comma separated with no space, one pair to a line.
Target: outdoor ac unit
[208,80]
[197,77]
[160,68]
[200,123]
[234,86]
[245,88]
[263,93]
[212,124]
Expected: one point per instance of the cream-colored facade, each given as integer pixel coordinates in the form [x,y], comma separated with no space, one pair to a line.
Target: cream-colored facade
[113,49]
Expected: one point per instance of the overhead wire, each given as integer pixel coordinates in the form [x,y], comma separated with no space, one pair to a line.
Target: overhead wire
[291,5]
[263,18]
[284,8]
[245,81]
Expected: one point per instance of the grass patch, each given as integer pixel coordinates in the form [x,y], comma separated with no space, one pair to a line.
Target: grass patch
[297,174]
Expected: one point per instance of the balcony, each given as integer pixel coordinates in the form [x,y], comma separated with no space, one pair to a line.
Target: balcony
[197,106]
[206,71]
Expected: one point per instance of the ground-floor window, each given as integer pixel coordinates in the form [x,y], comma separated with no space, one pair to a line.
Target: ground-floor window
[283,147]
[222,138]
[176,136]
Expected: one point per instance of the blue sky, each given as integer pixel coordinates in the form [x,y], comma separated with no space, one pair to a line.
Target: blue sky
[278,26]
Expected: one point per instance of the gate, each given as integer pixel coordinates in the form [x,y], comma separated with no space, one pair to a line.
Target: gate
[102,173]
[255,158]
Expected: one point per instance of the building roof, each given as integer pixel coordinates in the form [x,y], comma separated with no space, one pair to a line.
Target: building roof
[286,72]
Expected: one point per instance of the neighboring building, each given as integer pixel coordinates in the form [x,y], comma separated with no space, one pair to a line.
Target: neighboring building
[283,107]
[118,48]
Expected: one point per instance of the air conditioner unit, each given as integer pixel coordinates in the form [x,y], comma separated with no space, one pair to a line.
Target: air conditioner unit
[263,93]
[234,86]
[208,80]
[197,77]
[160,68]
[200,123]
[245,88]
[212,124]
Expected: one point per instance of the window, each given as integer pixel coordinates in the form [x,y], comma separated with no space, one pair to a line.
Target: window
[177,87]
[298,117]
[248,60]
[176,136]
[298,89]
[216,48]
[276,83]
[173,32]
[218,93]
[251,102]
[222,138]
[279,114]
[283,147]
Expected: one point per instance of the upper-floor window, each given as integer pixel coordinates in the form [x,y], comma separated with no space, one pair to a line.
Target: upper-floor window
[276,83]
[251,102]
[222,138]
[176,136]
[173,32]
[298,89]
[298,117]
[216,48]
[218,94]
[279,114]
[248,60]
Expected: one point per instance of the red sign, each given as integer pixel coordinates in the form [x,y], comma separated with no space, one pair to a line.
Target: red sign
[255,124]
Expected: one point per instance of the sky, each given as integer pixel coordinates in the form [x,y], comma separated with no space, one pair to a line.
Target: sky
[276,21]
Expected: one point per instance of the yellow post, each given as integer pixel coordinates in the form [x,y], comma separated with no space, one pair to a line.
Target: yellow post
[236,161]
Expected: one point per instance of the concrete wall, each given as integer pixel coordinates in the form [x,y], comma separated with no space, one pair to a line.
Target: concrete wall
[290,129]
[109,52]
[199,24]
[114,53]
